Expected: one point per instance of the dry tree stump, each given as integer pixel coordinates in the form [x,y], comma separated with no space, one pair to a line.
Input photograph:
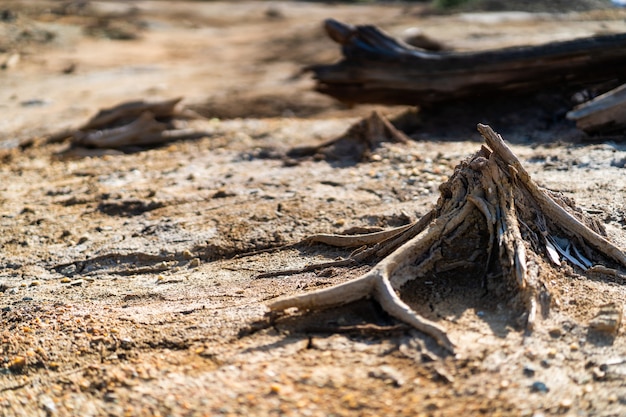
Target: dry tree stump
[491,219]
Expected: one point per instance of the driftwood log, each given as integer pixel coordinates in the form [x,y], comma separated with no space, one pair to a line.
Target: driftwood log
[377,68]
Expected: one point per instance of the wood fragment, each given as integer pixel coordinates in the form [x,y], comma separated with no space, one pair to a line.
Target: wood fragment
[604,114]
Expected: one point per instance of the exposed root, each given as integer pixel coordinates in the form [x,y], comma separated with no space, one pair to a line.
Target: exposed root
[357,143]
[521,224]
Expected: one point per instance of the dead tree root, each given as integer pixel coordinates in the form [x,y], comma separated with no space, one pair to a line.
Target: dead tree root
[523,225]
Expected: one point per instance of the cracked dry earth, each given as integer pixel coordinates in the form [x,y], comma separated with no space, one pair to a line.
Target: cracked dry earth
[123,292]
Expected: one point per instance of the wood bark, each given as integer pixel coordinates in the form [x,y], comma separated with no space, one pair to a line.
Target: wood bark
[377,68]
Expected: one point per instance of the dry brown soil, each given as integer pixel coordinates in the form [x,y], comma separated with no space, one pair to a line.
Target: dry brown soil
[121,290]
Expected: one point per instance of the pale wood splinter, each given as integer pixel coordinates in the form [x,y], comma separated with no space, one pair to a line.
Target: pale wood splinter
[520,221]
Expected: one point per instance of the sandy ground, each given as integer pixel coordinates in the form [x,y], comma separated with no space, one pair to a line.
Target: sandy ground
[122,291]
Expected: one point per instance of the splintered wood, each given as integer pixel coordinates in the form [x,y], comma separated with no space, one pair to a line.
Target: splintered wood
[491,221]
[605,113]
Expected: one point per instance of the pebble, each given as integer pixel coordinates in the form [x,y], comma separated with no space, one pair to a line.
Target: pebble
[566,404]
[539,386]
[555,332]
[110,397]
[17,363]
[48,405]
[389,375]
[529,370]
[275,389]
[68,270]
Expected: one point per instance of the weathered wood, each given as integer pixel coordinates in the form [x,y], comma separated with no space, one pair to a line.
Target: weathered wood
[492,222]
[377,68]
[604,113]
[131,124]
[360,139]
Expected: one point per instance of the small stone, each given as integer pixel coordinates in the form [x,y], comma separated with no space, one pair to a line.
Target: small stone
[48,405]
[552,353]
[539,386]
[35,283]
[530,354]
[76,283]
[222,193]
[194,263]
[608,319]
[68,270]
[574,347]
[566,404]
[275,389]
[126,343]
[17,363]
[529,370]
[388,374]
[65,280]
[598,374]
[187,254]
[110,397]
[555,332]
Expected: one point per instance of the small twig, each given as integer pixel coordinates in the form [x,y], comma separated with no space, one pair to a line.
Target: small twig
[360,329]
